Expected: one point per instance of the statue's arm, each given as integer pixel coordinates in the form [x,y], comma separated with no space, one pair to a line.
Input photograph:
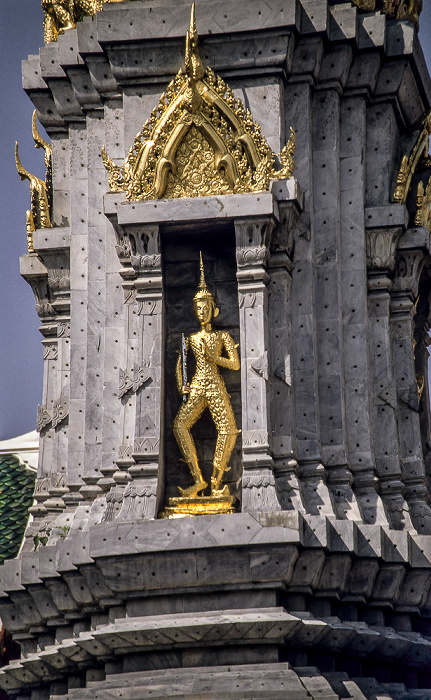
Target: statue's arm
[231,362]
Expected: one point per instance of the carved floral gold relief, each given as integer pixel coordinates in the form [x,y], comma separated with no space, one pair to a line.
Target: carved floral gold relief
[199,140]
[39,216]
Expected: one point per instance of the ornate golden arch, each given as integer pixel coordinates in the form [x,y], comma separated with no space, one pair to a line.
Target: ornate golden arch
[199,140]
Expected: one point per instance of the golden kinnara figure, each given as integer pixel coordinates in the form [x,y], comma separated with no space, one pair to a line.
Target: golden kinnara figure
[206,390]
[61,15]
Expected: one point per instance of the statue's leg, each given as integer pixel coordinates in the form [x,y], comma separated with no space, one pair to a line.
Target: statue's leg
[88,7]
[227,433]
[50,32]
[186,417]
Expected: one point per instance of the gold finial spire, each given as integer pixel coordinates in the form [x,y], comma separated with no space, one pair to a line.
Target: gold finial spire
[194,66]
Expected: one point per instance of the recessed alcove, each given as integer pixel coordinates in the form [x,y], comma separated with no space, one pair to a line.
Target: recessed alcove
[180,267]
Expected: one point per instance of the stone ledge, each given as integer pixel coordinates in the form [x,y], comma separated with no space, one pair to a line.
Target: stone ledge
[51,239]
[387,216]
[212,629]
[229,206]
[79,575]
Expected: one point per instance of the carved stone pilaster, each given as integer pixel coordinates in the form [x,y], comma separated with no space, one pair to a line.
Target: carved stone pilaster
[149,402]
[384,398]
[404,291]
[252,254]
[48,272]
[280,381]
[140,378]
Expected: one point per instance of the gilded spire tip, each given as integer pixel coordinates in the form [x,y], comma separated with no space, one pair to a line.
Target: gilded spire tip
[202,282]
[194,65]
[193,29]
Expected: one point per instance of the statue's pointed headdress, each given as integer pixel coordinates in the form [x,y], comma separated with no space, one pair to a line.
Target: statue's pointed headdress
[203,291]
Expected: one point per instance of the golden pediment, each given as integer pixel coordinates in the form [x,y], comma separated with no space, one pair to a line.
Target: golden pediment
[199,140]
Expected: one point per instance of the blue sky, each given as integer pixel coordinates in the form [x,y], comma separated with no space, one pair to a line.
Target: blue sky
[20,349]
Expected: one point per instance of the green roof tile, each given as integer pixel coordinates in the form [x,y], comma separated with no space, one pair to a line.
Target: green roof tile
[16,497]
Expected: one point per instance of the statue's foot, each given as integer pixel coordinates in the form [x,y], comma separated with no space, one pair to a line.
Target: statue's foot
[68,25]
[193,490]
[217,492]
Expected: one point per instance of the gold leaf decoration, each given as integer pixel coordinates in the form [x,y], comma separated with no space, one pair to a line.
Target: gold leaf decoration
[61,15]
[39,216]
[199,140]
[419,157]
[394,9]
[423,205]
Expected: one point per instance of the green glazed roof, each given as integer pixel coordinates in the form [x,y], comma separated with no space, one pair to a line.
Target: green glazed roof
[16,497]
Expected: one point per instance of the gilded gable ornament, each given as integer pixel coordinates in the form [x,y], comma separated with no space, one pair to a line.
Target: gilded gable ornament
[199,140]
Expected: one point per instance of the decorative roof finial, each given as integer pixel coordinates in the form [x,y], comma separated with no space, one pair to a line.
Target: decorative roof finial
[194,66]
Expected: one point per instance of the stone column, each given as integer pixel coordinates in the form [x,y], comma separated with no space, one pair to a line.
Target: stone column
[353,309]
[381,245]
[252,253]
[48,274]
[35,273]
[143,459]
[280,348]
[403,294]
[57,359]
[313,475]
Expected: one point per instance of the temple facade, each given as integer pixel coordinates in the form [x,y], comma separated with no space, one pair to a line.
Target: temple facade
[230,257]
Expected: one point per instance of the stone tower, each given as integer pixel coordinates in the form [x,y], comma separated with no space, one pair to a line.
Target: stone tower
[288,144]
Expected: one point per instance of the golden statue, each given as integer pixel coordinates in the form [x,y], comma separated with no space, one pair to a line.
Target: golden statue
[60,15]
[206,390]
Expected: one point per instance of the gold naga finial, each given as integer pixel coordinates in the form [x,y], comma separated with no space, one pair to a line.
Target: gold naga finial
[39,196]
[39,142]
[194,66]
[39,216]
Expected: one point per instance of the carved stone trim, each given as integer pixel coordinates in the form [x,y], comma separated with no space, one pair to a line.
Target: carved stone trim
[147,446]
[63,329]
[146,262]
[140,375]
[381,247]
[60,412]
[50,352]
[43,419]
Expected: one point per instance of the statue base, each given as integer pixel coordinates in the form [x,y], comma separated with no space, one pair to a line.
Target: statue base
[205,505]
